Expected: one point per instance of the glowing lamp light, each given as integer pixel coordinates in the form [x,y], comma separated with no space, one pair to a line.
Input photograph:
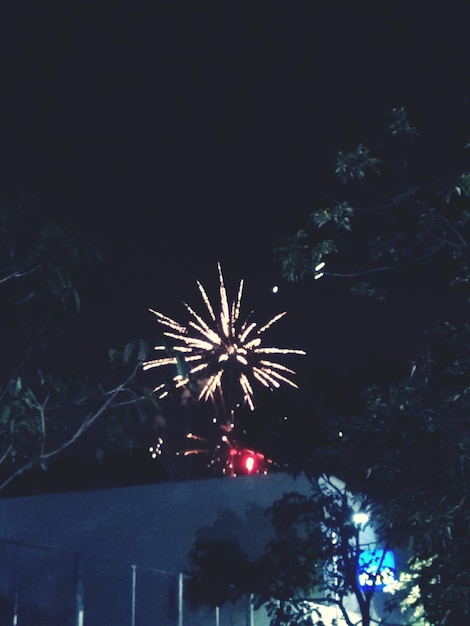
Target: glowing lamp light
[246,461]
[318,273]
[360,518]
[249,463]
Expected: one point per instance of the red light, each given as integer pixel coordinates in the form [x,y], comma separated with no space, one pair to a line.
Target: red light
[249,463]
[243,461]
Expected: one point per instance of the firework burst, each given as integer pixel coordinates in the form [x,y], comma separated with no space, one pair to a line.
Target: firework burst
[227,455]
[222,351]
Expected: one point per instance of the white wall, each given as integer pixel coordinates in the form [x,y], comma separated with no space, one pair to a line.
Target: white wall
[149,527]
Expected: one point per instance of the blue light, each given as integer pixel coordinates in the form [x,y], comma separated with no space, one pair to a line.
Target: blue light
[376,569]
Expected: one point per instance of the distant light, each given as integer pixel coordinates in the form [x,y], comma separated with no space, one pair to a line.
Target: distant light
[275,289]
[249,463]
[376,569]
[318,274]
[360,518]
[156,450]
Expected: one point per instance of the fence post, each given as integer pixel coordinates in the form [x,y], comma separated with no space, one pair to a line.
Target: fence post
[180,599]
[134,582]
[16,583]
[79,592]
[251,610]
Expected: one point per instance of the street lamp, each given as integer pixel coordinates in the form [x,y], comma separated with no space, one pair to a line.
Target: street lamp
[360,518]
[376,568]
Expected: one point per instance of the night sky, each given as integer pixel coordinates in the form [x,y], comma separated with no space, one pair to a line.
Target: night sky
[180,134]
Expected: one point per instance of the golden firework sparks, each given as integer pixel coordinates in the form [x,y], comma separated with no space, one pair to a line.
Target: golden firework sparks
[224,344]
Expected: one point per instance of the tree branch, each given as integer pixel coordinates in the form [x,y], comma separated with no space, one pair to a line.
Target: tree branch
[84,426]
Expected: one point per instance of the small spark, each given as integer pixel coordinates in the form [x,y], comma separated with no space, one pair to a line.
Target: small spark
[156,450]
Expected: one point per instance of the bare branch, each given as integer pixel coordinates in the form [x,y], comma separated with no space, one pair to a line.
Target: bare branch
[19,274]
[44,455]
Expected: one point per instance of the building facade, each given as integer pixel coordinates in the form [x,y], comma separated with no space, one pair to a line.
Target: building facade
[119,556]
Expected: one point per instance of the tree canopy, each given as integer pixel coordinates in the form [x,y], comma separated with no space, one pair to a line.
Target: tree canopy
[404,443]
[46,402]
[387,214]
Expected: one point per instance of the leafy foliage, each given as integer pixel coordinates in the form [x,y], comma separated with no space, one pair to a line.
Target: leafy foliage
[221,572]
[408,449]
[400,123]
[353,165]
[310,564]
[387,221]
[406,444]
[43,407]
[299,257]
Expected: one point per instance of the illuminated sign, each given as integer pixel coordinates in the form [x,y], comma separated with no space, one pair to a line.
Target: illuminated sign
[376,569]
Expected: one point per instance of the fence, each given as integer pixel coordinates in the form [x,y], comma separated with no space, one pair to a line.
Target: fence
[46,587]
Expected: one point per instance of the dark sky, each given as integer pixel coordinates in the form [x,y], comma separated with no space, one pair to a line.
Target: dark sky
[186,133]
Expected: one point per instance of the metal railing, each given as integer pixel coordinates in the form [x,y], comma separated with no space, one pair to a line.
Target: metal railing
[43,586]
